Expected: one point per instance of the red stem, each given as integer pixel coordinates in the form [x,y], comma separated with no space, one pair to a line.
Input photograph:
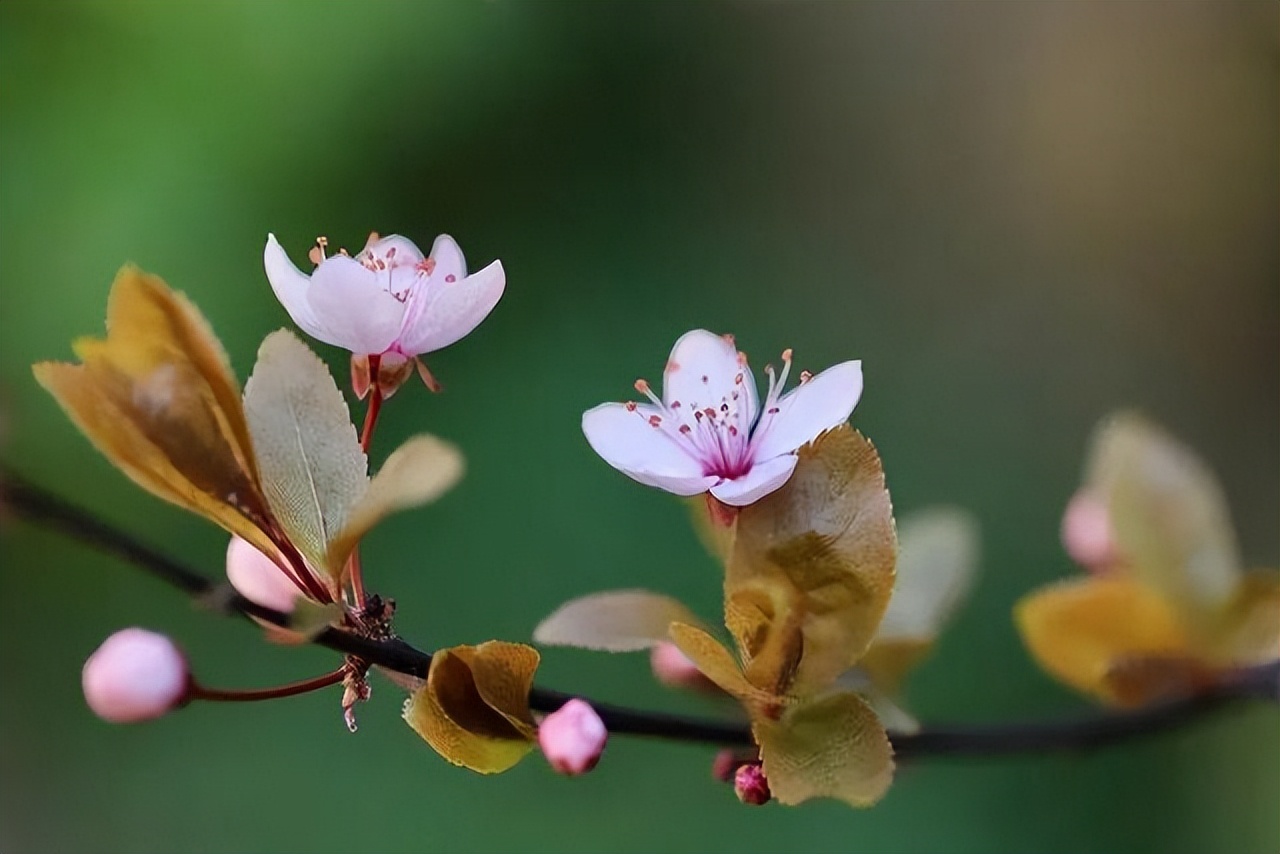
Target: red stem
[366,439]
[199,692]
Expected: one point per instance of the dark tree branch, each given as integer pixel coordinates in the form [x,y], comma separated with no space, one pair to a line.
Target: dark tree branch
[39,507]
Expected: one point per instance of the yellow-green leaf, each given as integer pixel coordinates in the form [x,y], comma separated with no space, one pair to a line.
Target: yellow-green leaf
[158,399]
[474,708]
[313,469]
[833,747]
[613,621]
[1168,514]
[824,544]
[1248,629]
[419,471]
[889,660]
[1079,630]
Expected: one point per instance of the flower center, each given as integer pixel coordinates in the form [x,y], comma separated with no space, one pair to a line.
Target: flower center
[716,431]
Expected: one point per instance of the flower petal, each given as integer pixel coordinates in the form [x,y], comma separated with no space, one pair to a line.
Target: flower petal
[291,286]
[358,314]
[444,311]
[627,441]
[702,370]
[393,247]
[762,479]
[448,257]
[808,410]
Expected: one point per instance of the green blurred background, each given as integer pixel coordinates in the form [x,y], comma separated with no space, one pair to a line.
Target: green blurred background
[1020,216]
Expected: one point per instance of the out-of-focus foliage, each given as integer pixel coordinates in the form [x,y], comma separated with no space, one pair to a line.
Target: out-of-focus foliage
[1176,605]
[1019,216]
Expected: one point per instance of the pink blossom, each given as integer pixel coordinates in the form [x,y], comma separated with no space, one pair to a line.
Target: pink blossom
[1086,532]
[674,669]
[572,738]
[389,299]
[136,675]
[709,432]
[257,578]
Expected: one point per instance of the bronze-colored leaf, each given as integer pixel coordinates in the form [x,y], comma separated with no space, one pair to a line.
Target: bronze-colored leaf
[613,621]
[832,747]
[1079,630]
[1248,630]
[719,665]
[417,472]
[157,398]
[824,543]
[1136,681]
[474,708]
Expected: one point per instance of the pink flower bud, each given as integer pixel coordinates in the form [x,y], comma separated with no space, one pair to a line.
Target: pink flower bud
[572,738]
[726,764]
[673,668]
[256,577]
[751,786]
[1086,532]
[136,675]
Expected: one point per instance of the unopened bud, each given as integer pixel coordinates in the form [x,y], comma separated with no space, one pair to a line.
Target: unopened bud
[726,764]
[1086,532]
[572,738]
[674,669]
[136,675]
[257,578]
[751,786]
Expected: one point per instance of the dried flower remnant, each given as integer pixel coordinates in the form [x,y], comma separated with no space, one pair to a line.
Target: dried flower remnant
[388,305]
[1168,608]
[573,738]
[135,675]
[709,433]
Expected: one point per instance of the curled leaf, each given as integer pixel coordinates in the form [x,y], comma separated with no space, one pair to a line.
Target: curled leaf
[1168,514]
[613,621]
[1080,630]
[158,399]
[832,747]
[937,555]
[313,469]
[419,471]
[474,708]
[824,546]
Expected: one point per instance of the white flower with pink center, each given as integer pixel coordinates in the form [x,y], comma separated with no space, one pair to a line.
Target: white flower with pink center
[388,300]
[709,433]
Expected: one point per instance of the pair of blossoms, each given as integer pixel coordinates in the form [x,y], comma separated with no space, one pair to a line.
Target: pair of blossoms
[709,433]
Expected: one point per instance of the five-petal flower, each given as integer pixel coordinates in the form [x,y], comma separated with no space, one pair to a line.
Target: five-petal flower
[709,432]
[389,299]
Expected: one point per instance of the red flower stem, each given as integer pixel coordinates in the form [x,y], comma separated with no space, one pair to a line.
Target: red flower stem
[200,692]
[366,440]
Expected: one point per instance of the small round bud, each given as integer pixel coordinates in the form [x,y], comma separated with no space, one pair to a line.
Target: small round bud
[572,738]
[136,675]
[257,578]
[674,669]
[1086,532]
[751,786]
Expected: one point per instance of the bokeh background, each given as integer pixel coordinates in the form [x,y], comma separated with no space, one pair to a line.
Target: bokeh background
[1020,216]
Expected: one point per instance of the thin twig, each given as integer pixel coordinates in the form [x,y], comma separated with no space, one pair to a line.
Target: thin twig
[32,503]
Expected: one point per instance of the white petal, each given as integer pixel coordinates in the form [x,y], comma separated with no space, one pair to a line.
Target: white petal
[756,484]
[395,248]
[702,370]
[444,311]
[291,285]
[626,441]
[448,257]
[823,402]
[357,313]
